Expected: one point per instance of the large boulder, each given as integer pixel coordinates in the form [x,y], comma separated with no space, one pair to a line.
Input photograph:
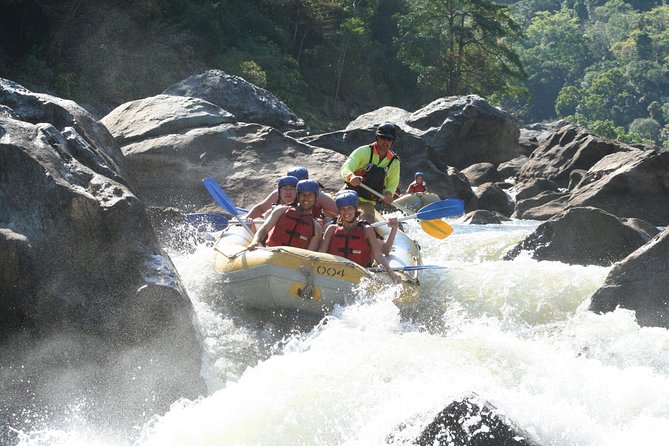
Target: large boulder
[632,184]
[100,316]
[640,282]
[584,236]
[455,131]
[169,162]
[468,421]
[246,101]
[570,147]
[533,135]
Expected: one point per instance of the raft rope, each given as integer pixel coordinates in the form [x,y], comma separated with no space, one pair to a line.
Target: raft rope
[308,271]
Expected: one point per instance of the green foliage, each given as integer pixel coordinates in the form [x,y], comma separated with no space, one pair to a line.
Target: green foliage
[647,129]
[460,47]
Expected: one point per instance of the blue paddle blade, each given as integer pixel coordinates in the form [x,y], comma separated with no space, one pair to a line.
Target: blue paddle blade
[441,209]
[207,222]
[219,196]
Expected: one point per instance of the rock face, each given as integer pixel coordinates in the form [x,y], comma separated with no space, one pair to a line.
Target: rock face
[448,132]
[99,309]
[626,181]
[470,421]
[571,147]
[246,101]
[640,282]
[170,161]
[584,236]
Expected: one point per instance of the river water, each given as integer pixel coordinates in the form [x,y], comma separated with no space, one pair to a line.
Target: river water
[517,333]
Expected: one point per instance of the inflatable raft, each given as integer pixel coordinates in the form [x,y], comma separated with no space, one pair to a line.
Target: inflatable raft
[414,202]
[284,278]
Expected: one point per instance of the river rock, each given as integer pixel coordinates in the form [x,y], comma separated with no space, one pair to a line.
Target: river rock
[483,217]
[493,198]
[246,101]
[533,135]
[103,319]
[583,236]
[632,184]
[640,282]
[455,131]
[570,147]
[247,159]
[533,187]
[481,173]
[469,421]
[509,169]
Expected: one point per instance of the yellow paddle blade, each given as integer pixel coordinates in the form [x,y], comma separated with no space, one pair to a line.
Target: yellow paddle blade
[436,228]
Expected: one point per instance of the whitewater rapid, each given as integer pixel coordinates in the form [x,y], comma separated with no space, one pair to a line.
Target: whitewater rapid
[517,333]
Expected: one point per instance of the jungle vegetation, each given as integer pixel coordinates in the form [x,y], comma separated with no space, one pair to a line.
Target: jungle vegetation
[603,64]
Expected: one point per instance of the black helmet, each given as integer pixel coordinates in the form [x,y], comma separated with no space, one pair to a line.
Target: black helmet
[388,130]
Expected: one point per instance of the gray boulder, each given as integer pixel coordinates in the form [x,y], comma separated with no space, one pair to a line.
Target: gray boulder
[483,217]
[455,131]
[533,135]
[571,147]
[246,101]
[639,282]
[170,161]
[509,169]
[583,236]
[100,314]
[533,187]
[481,173]
[493,198]
[632,184]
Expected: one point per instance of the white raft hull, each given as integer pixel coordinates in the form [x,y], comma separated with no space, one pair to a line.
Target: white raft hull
[297,280]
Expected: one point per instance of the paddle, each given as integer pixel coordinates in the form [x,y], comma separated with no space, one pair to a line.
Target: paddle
[435,228]
[407,268]
[223,201]
[208,222]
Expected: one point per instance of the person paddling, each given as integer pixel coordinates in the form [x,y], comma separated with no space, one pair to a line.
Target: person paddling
[324,207]
[353,238]
[285,194]
[418,185]
[375,166]
[292,225]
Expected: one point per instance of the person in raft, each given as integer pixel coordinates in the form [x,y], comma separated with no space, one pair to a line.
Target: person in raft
[324,207]
[285,194]
[418,185]
[292,225]
[353,238]
[375,166]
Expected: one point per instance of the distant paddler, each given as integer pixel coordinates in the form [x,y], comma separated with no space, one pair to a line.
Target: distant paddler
[376,166]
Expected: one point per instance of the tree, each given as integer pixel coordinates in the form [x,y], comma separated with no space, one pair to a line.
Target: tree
[460,46]
[555,52]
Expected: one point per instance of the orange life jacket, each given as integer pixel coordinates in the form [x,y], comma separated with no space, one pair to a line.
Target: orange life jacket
[292,230]
[415,187]
[352,245]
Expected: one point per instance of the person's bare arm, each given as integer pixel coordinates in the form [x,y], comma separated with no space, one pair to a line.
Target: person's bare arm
[314,243]
[328,205]
[325,243]
[259,209]
[261,235]
[377,255]
[388,242]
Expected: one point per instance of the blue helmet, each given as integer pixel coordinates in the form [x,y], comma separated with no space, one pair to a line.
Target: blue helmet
[287,181]
[346,198]
[301,173]
[307,186]
[419,174]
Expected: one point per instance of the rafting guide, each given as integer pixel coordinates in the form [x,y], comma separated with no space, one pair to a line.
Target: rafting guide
[375,166]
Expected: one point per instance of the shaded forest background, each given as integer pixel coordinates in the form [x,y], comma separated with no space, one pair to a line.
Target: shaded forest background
[603,64]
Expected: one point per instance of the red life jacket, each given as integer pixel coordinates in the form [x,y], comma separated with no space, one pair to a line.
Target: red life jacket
[415,187]
[292,230]
[352,245]
[317,211]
